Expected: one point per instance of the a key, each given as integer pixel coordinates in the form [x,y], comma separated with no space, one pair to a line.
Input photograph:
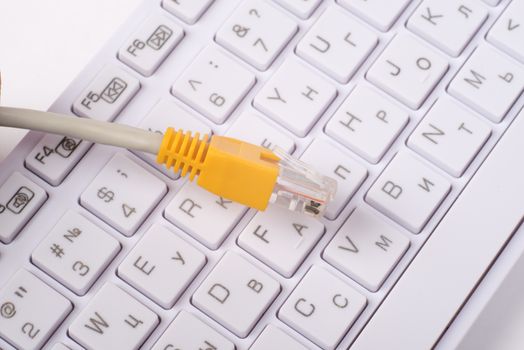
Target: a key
[366,248]
[408,191]
[367,123]
[148,47]
[256,32]
[322,308]
[337,44]
[30,311]
[123,194]
[273,338]
[206,217]
[408,70]
[252,128]
[381,14]
[295,96]
[75,252]
[161,266]
[281,239]
[167,113]
[301,8]
[349,173]
[236,300]
[188,332]
[447,24]
[188,11]
[450,136]
[202,84]
[508,30]
[488,82]
[112,317]
[20,199]
[54,157]
[107,94]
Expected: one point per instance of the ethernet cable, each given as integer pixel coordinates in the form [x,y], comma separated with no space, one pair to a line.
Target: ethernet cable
[232,169]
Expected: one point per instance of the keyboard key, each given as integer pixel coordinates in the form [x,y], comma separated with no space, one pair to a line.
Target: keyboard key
[408,70]
[202,84]
[349,173]
[302,9]
[55,156]
[450,136]
[379,13]
[123,194]
[236,294]
[75,252]
[322,308]
[447,24]
[508,30]
[281,239]
[366,249]
[488,82]
[408,191]
[31,311]
[273,338]
[256,32]
[107,94]
[151,44]
[206,217]
[113,317]
[164,114]
[188,11]
[339,56]
[295,97]
[20,199]
[367,123]
[188,332]
[161,266]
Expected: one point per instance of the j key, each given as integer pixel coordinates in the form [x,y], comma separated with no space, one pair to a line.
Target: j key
[188,11]
[508,31]
[379,13]
[302,9]
[273,338]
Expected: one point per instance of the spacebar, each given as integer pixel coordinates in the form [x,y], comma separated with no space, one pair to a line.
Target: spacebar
[459,251]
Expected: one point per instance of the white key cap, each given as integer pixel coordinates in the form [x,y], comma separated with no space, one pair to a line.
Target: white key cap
[450,136]
[161,266]
[54,157]
[322,308]
[148,47]
[188,332]
[273,338]
[367,123]
[254,129]
[206,217]
[164,114]
[408,70]
[30,311]
[202,84]
[20,199]
[236,300]
[107,94]
[447,24]
[508,31]
[75,252]
[188,11]
[379,13]
[488,82]
[301,8]
[366,248]
[349,173]
[295,96]
[60,346]
[123,194]
[339,56]
[113,317]
[281,239]
[256,32]
[408,191]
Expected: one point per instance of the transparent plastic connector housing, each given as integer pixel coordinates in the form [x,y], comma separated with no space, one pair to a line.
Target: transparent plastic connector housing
[301,188]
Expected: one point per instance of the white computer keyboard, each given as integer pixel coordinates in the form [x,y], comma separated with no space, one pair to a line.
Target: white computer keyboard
[102,249]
